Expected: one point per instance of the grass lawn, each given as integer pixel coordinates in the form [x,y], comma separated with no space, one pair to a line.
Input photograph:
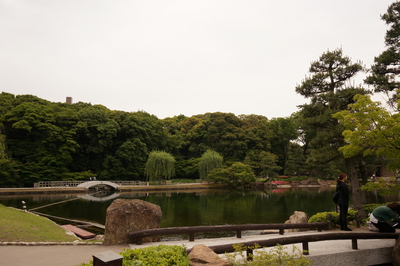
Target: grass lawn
[16,225]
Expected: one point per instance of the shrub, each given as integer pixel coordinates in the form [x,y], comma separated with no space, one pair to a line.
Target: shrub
[321,217]
[162,255]
[276,256]
[368,208]
[280,182]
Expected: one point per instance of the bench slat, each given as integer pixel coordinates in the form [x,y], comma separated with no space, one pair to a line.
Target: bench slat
[78,231]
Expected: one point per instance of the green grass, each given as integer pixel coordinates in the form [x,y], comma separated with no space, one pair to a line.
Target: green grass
[16,225]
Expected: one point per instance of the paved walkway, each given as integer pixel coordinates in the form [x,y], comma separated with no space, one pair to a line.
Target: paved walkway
[59,255]
[338,251]
[328,252]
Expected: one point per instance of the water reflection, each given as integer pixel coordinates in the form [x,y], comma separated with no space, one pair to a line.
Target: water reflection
[101,197]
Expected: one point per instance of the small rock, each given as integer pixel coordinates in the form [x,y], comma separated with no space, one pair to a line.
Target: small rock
[297,218]
[203,255]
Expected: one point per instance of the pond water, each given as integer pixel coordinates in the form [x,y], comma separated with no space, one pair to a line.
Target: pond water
[191,207]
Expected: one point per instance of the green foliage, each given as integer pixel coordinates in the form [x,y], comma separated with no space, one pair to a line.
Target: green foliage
[296,161]
[163,255]
[180,180]
[187,169]
[160,166]
[368,208]
[371,130]
[321,217]
[237,174]
[276,256]
[285,130]
[263,163]
[298,178]
[385,71]
[321,133]
[385,186]
[209,161]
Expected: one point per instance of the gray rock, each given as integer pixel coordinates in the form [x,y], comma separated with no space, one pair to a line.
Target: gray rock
[127,215]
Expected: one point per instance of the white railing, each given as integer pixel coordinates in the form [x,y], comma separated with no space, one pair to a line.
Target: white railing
[76,183]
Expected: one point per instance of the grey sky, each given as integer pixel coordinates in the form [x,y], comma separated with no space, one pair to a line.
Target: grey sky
[180,57]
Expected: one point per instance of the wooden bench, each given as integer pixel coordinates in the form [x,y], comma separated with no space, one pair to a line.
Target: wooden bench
[78,231]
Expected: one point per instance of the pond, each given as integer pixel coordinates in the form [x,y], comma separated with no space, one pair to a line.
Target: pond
[191,207]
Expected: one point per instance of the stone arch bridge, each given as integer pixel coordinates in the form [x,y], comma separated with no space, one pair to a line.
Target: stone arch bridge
[88,184]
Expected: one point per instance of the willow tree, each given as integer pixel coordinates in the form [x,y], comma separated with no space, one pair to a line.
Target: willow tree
[209,161]
[159,166]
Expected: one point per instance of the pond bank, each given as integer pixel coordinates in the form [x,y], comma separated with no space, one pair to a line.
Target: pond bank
[151,188]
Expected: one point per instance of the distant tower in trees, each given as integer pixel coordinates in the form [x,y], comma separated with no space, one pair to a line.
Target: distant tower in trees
[69,100]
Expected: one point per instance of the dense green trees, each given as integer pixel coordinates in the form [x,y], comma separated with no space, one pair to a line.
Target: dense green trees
[386,69]
[58,141]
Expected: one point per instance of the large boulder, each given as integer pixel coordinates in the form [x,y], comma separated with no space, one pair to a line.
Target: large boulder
[297,218]
[202,255]
[129,215]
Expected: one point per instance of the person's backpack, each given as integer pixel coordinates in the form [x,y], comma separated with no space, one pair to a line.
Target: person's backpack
[335,197]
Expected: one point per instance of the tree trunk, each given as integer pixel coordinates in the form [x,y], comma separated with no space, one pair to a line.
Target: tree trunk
[355,188]
[363,172]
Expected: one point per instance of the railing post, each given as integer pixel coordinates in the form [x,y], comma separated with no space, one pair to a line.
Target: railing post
[239,234]
[249,253]
[354,244]
[191,236]
[305,248]
[358,220]
[281,231]
[329,219]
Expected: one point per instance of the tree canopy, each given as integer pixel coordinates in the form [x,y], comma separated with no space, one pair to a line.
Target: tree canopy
[370,129]
[386,67]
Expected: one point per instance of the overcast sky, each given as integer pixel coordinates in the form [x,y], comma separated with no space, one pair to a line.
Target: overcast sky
[180,57]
